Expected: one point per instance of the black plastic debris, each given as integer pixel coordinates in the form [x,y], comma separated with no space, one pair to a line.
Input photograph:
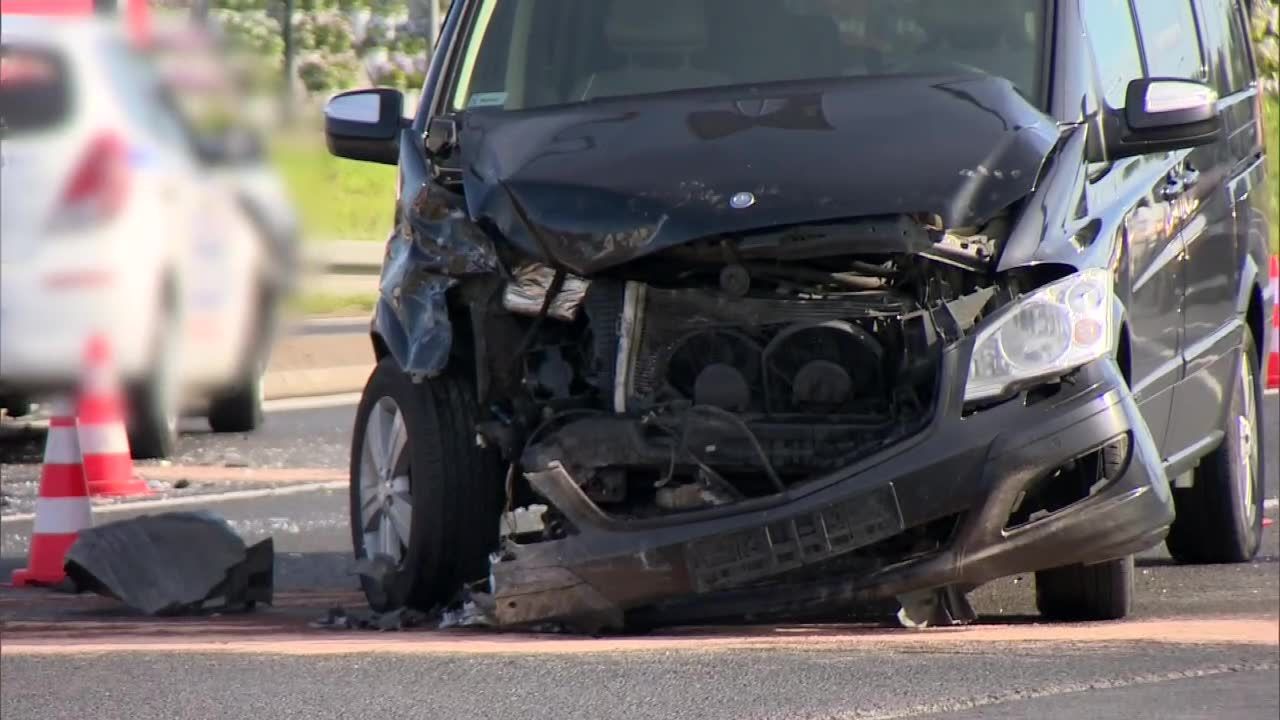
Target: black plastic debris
[173,563]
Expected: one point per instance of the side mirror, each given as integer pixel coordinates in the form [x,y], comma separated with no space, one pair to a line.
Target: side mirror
[1164,114]
[365,125]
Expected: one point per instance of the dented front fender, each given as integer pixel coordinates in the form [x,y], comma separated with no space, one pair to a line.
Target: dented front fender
[435,245]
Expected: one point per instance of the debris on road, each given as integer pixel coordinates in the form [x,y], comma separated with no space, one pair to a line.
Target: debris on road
[174,563]
[935,608]
[475,611]
[400,619]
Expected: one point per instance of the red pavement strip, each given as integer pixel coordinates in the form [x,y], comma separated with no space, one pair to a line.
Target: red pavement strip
[46,623]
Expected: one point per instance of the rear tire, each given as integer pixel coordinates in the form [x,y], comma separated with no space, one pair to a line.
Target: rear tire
[454,489]
[1103,591]
[1219,517]
[153,401]
[153,421]
[240,410]
[17,407]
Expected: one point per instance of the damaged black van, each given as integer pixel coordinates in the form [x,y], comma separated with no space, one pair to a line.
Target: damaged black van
[701,309]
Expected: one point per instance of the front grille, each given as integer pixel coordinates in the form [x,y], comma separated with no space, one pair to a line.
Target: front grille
[669,319]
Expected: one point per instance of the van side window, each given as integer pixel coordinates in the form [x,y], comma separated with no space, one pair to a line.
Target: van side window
[1114,40]
[1169,38]
[1232,70]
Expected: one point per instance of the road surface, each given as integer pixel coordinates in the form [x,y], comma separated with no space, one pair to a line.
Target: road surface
[1204,642]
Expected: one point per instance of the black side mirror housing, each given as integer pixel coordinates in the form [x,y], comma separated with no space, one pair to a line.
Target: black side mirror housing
[365,125]
[442,137]
[1162,115]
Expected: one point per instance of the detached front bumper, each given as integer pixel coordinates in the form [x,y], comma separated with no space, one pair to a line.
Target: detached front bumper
[753,556]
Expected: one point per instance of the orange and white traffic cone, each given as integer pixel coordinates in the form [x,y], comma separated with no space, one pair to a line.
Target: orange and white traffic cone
[1273,354]
[108,464]
[62,508]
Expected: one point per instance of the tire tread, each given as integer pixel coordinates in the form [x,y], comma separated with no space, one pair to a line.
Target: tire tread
[1102,591]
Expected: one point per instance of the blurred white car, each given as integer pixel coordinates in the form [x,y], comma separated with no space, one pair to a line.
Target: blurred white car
[110,223]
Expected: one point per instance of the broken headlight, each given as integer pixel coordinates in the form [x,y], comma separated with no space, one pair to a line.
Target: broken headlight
[1045,333]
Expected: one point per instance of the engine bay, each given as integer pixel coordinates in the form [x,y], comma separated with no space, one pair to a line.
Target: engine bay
[719,371]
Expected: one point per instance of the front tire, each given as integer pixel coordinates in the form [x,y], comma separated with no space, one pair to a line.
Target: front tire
[1098,591]
[1102,591]
[425,500]
[1220,516]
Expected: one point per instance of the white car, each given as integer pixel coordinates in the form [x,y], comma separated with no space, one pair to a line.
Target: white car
[111,224]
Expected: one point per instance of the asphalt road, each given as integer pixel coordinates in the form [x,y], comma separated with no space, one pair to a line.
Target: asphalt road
[1203,642]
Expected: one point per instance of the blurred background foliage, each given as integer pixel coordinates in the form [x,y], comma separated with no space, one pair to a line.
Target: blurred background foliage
[1265,26]
[338,43]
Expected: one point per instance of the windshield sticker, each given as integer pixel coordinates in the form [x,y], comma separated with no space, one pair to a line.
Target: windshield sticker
[487,99]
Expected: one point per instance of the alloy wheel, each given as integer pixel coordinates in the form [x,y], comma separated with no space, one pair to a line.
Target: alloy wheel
[386,503]
[1246,442]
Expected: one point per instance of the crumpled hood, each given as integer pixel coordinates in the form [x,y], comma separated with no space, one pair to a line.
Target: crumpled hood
[608,182]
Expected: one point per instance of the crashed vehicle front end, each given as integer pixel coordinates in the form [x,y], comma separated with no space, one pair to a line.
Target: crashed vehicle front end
[724,392]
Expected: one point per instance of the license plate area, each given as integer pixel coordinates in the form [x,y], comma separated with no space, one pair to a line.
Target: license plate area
[740,557]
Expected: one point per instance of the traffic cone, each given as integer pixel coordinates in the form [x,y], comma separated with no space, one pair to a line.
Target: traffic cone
[1273,355]
[108,465]
[62,509]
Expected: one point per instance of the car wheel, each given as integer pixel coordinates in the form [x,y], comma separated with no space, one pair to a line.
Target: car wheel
[239,410]
[425,499]
[1099,591]
[1219,517]
[153,402]
[1102,591]
[16,407]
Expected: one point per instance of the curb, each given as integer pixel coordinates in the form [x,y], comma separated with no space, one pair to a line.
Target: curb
[311,382]
[344,258]
[319,356]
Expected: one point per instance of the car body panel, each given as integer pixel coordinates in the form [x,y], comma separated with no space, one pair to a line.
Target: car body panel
[1179,258]
[590,188]
[609,570]
[596,181]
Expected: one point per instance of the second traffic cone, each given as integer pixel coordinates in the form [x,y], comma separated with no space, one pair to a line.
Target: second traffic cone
[108,465]
[1273,353]
[62,508]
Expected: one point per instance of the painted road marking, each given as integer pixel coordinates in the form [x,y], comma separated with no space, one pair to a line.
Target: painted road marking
[311,403]
[1024,694]
[316,402]
[203,499]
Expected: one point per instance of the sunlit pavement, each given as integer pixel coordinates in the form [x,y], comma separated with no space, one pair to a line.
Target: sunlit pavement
[1203,641]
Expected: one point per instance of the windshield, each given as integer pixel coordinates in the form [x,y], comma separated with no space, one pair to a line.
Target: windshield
[525,54]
